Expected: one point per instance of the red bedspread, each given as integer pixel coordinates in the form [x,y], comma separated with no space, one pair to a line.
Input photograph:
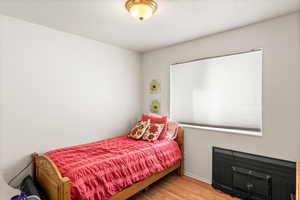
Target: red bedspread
[101,169]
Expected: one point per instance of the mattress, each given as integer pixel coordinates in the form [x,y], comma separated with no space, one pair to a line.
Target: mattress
[101,169]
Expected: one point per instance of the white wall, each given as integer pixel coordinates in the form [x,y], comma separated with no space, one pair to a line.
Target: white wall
[59,89]
[280,40]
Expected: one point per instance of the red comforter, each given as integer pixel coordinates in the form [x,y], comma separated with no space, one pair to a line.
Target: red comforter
[101,169]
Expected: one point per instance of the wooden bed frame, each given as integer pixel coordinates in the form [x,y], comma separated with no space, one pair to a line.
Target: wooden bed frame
[56,187]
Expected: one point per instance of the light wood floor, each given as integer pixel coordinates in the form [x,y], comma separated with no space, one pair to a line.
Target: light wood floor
[174,187]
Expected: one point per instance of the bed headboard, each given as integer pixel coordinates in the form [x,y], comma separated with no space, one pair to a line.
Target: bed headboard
[180,141]
[180,136]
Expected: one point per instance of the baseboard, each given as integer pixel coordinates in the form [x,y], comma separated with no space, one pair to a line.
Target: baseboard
[186,173]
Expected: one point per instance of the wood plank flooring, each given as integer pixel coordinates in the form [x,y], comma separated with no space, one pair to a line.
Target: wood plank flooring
[174,187]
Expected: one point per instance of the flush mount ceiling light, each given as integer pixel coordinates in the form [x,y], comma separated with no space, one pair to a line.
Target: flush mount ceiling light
[141,9]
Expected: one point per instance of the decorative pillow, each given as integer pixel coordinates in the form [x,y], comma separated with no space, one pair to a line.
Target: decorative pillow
[138,131]
[172,128]
[155,119]
[153,132]
[158,120]
[164,132]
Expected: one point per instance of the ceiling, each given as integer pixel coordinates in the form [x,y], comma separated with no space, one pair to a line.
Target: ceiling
[175,21]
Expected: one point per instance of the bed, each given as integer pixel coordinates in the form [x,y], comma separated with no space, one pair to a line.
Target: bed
[123,168]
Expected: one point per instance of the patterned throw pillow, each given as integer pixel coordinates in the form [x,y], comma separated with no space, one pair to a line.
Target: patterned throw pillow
[138,131]
[153,132]
[156,119]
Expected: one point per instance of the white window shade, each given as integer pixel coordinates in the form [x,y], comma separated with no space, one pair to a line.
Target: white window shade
[222,92]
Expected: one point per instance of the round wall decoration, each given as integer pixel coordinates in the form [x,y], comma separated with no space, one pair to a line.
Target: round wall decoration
[155,106]
[154,86]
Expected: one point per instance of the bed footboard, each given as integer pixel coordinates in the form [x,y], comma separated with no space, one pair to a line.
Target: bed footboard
[48,176]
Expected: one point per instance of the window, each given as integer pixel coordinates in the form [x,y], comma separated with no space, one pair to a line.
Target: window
[220,93]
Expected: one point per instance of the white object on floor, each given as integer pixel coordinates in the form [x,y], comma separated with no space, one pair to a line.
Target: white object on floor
[6,192]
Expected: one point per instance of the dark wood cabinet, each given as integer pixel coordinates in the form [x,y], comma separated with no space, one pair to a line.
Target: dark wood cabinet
[253,177]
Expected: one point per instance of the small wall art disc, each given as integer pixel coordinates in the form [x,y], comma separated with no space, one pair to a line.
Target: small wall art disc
[155,106]
[154,86]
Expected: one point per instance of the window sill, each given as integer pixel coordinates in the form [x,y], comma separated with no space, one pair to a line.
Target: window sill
[233,131]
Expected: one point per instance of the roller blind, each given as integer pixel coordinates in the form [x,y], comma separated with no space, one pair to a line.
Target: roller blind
[222,92]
